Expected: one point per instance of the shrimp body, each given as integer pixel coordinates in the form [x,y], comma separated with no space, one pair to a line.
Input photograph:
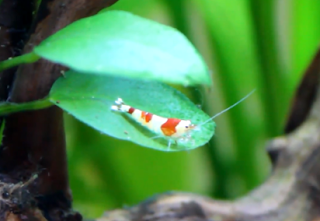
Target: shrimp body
[172,128]
[168,127]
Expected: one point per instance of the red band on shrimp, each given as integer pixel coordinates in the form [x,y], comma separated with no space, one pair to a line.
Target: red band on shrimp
[169,127]
[148,117]
[143,114]
[131,110]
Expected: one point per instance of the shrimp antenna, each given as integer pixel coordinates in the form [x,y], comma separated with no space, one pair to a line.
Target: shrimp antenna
[235,104]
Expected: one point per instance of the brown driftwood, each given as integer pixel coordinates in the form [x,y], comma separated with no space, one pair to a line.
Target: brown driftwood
[34,142]
[291,193]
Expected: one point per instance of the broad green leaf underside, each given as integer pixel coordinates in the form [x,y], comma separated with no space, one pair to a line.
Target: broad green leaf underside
[89,98]
[122,44]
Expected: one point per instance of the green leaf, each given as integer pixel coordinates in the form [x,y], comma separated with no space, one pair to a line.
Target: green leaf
[122,44]
[89,98]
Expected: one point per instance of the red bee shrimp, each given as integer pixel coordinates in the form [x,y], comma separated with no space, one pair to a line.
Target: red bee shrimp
[173,128]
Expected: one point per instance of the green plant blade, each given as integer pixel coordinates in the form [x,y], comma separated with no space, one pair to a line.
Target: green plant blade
[122,44]
[89,98]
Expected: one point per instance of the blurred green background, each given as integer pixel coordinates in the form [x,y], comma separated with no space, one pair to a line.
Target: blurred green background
[248,44]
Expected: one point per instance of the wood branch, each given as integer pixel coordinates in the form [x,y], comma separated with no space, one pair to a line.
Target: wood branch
[15,20]
[291,193]
[35,141]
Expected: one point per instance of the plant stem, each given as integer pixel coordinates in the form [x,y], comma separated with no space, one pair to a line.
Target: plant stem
[8,108]
[23,59]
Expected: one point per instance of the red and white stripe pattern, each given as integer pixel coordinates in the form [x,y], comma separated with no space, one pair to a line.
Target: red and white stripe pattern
[169,127]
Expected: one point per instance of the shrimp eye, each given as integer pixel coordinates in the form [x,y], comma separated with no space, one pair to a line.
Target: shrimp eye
[5,195]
